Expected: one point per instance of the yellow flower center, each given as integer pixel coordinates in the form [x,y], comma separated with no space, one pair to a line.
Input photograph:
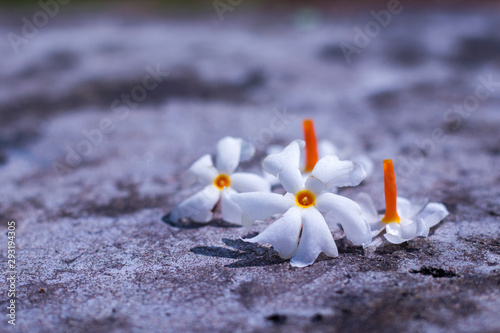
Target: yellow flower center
[305,198]
[222,181]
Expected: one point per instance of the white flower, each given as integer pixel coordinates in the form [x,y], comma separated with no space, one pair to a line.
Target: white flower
[312,152]
[326,147]
[230,151]
[403,220]
[302,233]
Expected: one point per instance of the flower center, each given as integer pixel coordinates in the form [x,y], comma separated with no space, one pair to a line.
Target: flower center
[391,193]
[311,145]
[222,181]
[305,198]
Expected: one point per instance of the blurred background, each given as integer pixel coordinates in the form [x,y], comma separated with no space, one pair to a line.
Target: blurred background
[384,70]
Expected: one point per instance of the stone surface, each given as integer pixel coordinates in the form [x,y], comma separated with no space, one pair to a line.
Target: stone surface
[95,252]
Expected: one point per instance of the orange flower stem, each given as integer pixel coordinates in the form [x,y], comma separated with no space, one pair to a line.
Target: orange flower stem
[391,193]
[311,145]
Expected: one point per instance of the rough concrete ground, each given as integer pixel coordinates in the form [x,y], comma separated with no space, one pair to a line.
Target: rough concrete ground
[95,255]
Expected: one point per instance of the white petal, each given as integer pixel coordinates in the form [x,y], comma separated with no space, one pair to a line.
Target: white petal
[376,228]
[394,239]
[230,151]
[198,207]
[282,234]
[273,181]
[316,186]
[247,151]
[202,171]
[433,213]
[316,238]
[288,158]
[249,182]
[366,162]
[407,209]
[367,207]
[369,213]
[230,210]
[245,208]
[348,214]
[291,179]
[406,230]
[326,148]
[331,172]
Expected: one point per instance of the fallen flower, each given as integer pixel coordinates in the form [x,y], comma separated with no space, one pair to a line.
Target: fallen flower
[302,233]
[313,151]
[326,147]
[230,151]
[403,220]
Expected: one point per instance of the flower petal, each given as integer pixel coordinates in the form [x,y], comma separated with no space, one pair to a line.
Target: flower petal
[249,182]
[331,172]
[367,207]
[247,151]
[365,161]
[282,234]
[231,211]
[328,148]
[408,209]
[288,158]
[433,213]
[245,208]
[376,228]
[406,230]
[291,179]
[273,181]
[316,238]
[348,213]
[202,171]
[369,213]
[230,151]
[198,207]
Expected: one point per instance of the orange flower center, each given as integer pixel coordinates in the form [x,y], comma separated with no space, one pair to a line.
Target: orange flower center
[305,198]
[222,181]
[311,145]
[391,193]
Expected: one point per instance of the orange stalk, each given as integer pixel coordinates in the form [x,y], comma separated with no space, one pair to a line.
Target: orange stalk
[391,193]
[311,145]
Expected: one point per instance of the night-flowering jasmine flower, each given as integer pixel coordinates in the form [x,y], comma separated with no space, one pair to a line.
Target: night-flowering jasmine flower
[230,151]
[313,151]
[403,220]
[302,233]
[326,147]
